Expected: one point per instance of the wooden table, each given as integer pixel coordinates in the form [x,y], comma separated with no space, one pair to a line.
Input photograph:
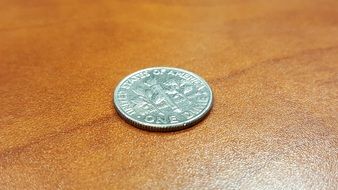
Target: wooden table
[273,67]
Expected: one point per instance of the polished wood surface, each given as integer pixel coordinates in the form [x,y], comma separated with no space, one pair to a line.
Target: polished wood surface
[273,67]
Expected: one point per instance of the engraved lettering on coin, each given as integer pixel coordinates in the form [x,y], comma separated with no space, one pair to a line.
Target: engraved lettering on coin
[163,99]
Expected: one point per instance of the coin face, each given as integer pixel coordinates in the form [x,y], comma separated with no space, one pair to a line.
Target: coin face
[163,99]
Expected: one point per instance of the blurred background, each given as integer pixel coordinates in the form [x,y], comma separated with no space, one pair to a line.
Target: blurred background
[273,67]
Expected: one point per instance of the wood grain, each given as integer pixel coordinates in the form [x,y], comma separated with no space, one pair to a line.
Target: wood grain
[273,67]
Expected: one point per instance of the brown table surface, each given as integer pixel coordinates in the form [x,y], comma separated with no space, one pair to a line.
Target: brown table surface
[273,67]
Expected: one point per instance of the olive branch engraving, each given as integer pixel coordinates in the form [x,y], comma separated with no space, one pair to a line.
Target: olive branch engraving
[143,99]
[153,94]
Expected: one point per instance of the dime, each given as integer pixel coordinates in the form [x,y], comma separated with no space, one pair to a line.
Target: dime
[163,99]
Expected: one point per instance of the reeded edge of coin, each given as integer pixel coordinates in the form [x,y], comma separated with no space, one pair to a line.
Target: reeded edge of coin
[163,127]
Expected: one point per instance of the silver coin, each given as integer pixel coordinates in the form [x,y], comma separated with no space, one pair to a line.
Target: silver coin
[163,99]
